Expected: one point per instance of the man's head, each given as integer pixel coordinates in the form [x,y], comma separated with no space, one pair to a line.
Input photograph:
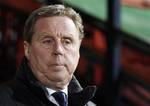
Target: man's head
[49,11]
[52,39]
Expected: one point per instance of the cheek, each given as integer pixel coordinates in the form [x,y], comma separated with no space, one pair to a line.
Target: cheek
[38,58]
[73,58]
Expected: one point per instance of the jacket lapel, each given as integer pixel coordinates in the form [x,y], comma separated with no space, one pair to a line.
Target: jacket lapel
[79,96]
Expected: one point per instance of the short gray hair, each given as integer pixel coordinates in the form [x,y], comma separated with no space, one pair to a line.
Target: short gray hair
[48,11]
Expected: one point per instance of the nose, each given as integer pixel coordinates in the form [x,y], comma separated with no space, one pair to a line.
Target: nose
[58,49]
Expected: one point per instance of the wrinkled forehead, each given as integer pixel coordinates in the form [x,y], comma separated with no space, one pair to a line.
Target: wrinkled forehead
[54,21]
[60,25]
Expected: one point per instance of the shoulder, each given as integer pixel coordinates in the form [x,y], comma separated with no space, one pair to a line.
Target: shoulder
[5,90]
[5,94]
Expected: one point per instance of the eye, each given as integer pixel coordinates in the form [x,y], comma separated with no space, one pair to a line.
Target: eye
[47,41]
[67,41]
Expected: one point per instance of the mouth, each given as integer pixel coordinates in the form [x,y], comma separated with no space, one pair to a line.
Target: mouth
[57,67]
[57,64]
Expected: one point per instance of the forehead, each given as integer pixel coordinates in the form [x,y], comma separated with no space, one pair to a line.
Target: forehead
[54,24]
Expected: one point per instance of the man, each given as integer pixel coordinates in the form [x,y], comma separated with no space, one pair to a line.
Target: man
[52,39]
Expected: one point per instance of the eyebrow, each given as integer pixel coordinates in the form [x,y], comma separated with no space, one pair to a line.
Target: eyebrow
[67,36]
[43,35]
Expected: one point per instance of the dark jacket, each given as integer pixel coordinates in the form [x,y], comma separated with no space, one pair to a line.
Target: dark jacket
[25,90]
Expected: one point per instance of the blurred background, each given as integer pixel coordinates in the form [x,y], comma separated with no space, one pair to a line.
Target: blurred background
[115,53]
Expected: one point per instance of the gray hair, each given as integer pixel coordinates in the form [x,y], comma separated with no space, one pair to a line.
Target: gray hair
[48,11]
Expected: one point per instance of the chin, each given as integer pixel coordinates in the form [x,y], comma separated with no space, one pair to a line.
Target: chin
[61,76]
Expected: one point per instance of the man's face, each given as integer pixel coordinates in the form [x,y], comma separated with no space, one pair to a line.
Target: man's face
[54,51]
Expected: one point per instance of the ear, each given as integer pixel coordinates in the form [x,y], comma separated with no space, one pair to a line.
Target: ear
[26,49]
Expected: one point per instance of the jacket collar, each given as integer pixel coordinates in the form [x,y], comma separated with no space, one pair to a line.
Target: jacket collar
[77,95]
